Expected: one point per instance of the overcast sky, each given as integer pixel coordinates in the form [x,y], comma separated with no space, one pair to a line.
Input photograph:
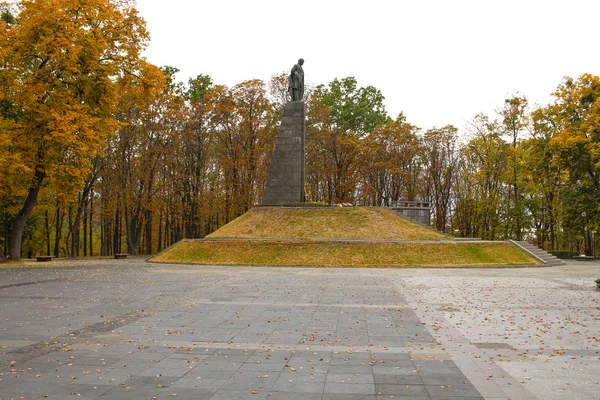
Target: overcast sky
[440,61]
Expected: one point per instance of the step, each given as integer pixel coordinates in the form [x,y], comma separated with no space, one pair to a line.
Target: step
[547,258]
[555,263]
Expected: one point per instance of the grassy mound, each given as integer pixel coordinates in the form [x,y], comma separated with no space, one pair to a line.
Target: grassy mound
[325,223]
[344,254]
[336,237]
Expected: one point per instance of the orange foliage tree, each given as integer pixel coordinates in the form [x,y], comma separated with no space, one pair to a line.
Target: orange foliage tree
[60,60]
[391,164]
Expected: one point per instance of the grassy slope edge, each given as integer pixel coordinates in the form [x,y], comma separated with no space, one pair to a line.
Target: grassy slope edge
[343,254]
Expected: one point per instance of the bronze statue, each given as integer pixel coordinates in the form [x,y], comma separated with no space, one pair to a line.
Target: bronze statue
[296,81]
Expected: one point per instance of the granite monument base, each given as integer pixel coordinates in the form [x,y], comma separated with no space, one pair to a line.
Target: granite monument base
[285,183]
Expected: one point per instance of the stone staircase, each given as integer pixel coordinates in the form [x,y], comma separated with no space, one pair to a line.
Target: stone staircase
[545,257]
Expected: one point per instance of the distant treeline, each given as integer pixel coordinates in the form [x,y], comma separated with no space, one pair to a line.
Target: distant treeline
[102,152]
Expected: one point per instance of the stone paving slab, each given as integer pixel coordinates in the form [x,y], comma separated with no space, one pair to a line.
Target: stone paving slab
[112,329]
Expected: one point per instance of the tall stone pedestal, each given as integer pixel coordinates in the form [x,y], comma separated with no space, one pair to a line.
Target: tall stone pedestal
[286,174]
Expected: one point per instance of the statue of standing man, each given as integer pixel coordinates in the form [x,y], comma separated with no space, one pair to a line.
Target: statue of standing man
[296,81]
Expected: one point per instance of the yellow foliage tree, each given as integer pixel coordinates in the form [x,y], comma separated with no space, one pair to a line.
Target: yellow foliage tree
[576,115]
[390,159]
[60,60]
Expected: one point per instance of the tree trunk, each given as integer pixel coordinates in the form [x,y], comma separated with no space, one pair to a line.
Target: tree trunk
[587,243]
[160,231]
[91,219]
[117,234]
[81,212]
[133,228]
[4,251]
[47,222]
[18,225]
[148,232]
[70,235]
[85,224]
[58,230]
[105,227]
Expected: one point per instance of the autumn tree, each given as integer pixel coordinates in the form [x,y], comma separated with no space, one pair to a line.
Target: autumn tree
[194,154]
[145,112]
[480,191]
[391,158]
[59,63]
[188,188]
[544,179]
[340,115]
[514,124]
[77,207]
[278,90]
[442,159]
[576,113]
[244,134]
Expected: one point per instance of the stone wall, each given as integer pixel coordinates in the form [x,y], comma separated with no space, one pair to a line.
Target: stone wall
[417,211]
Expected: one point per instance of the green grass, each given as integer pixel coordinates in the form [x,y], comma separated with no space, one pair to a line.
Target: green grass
[344,254]
[288,239]
[325,223]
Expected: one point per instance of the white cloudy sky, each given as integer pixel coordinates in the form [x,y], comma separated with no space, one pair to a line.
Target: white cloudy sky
[439,61]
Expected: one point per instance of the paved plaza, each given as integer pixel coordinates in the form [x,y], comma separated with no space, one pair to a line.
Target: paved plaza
[128,329]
